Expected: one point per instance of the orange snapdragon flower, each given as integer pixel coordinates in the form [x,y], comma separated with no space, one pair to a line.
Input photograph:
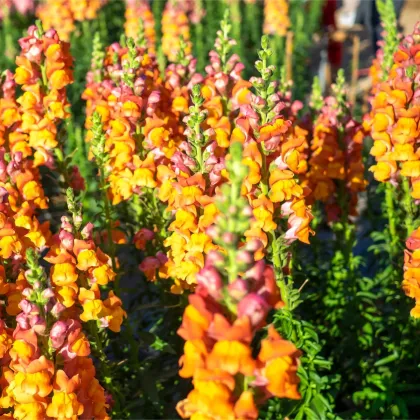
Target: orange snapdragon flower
[62,14]
[77,263]
[411,282]
[174,26]
[42,107]
[335,160]
[394,120]
[276,17]
[217,352]
[140,10]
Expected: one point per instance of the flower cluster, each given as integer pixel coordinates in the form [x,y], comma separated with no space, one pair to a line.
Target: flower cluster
[23,7]
[122,119]
[175,29]
[21,194]
[395,117]
[46,371]
[78,270]
[230,304]
[411,282]
[195,171]
[19,180]
[46,368]
[140,23]
[336,170]
[189,182]
[273,150]
[383,61]
[44,69]
[276,17]
[62,14]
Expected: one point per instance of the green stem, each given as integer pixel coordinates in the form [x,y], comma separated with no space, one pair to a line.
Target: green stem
[102,26]
[278,53]
[235,14]
[108,222]
[104,365]
[157,9]
[61,166]
[251,13]
[199,41]
[87,35]
[278,263]
[107,375]
[232,268]
[44,77]
[392,218]
[409,216]
[9,50]
[264,183]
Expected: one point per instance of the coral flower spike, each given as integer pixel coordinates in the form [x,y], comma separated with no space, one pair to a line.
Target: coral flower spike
[229,306]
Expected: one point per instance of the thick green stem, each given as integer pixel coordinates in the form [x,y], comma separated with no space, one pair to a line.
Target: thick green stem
[87,35]
[235,13]
[278,53]
[107,375]
[9,50]
[61,166]
[278,264]
[44,77]
[392,219]
[251,14]
[108,222]
[409,216]
[199,40]
[264,183]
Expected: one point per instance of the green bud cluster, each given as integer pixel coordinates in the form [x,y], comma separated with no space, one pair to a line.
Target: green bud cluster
[131,64]
[98,56]
[389,22]
[75,208]
[141,39]
[235,214]
[197,138]
[181,56]
[316,99]
[36,277]
[339,91]
[264,87]
[223,44]
[98,141]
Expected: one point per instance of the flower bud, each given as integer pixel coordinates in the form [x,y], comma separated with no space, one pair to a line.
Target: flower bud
[245,257]
[253,245]
[154,97]
[87,231]
[48,293]
[38,324]
[58,334]
[214,258]
[229,238]
[27,293]
[23,321]
[65,224]
[213,232]
[255,308]
[211,280]
[57,309]
[256,272]
[67,239]
[238,289]
[247,211]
